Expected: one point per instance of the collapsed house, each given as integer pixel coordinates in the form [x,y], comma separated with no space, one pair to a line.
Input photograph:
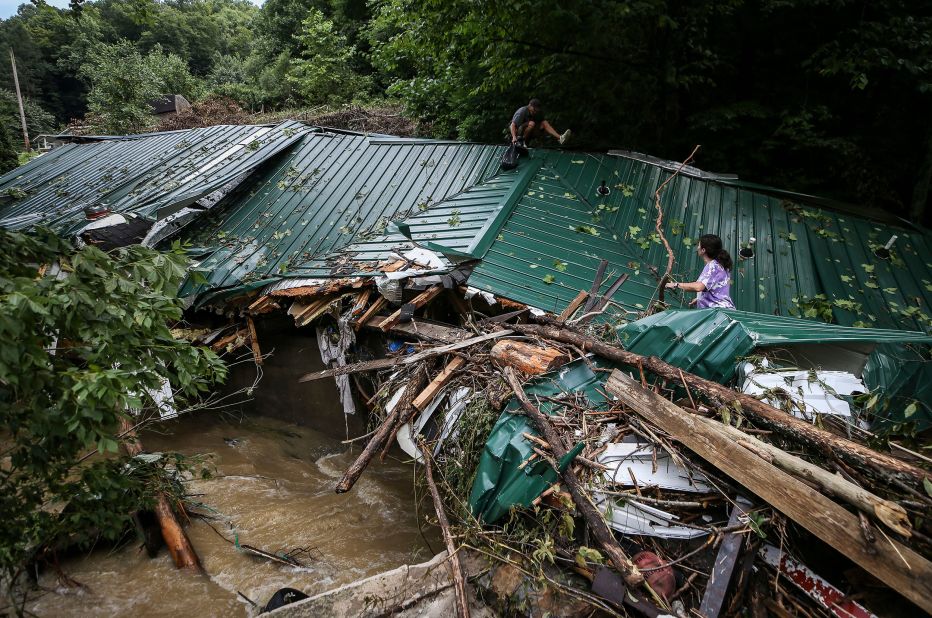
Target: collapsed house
[420,275]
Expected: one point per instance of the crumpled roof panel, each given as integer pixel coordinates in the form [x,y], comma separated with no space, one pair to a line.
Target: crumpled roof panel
[150,175]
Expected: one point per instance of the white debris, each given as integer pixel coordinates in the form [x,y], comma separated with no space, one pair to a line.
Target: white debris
[813,391]
[424,257]
[331,350]
[630,461]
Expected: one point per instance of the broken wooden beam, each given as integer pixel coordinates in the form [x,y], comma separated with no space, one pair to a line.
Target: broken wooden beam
[593,517]
[382,434]
[384,363]
[882,465]
[439,381]
[254,340]
[528,358]
[359,305]
[893,563]
[373,309]
[411,306]
[427,330]
[459,582]
[263,304]
[571,308]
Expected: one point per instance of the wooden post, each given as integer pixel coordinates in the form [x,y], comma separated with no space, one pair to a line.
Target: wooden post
[459,582]
[896,565]
[179,546]
[19,99]
[254,340]
[593,517]
[881,464]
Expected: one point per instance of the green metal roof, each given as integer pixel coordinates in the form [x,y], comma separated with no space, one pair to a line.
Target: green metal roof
[708,342]
[296,218]
[150,175]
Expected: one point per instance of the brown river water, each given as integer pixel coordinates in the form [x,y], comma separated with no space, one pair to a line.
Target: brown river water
[274,484]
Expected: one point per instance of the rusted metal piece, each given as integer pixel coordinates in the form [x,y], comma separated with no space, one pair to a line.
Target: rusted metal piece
[815,587]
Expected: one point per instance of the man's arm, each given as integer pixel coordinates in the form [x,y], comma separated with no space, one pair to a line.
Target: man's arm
[514,131]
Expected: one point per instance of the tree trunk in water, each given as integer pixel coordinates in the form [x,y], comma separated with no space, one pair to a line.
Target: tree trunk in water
[179,546]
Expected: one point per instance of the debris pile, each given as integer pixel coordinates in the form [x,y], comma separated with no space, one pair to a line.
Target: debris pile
[620,480]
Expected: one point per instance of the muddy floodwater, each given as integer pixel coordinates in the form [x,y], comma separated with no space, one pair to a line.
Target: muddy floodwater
[273,489]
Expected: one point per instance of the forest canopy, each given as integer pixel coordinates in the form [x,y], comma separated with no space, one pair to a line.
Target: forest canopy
[825,96]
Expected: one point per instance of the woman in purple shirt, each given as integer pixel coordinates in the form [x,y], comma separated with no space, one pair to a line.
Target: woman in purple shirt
[713,284]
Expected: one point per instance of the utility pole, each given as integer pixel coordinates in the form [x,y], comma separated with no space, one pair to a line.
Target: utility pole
[19,97]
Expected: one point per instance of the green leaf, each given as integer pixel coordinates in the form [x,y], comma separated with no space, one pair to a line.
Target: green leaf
[927,485]
[910,410]
[871,402]
[548,279]
[561,266]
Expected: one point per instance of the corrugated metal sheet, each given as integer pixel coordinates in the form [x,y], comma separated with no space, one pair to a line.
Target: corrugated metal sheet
[801,252]
[709,342]
[297,217]
[151,175]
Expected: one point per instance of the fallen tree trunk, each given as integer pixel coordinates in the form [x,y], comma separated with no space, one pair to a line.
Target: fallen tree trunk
[593,517]
[883,465]
[890,513]
[896,565]
[179,546]
[382,434]
[527,358]
[462,603]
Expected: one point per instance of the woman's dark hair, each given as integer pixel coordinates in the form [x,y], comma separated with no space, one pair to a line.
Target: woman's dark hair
[713,248]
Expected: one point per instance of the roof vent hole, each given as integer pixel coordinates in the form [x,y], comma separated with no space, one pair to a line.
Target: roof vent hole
[747,251]
[884,252]
[603,190]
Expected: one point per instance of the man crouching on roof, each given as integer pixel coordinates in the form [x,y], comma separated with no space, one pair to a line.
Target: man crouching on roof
[529,122]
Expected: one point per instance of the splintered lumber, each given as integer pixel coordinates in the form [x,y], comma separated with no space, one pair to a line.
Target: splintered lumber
[382,434]
[384,363]
[263,304]
[429,331]
[889,513]
[373,309]
[254,340]
[179,546]
[359,306]
[881,464]
[439,381]
[527,358]
[891,562]
[306,312]
[724,566]
[221,344]
[573,306]
[596,284]
[593,517]
[416,303]
[459,582]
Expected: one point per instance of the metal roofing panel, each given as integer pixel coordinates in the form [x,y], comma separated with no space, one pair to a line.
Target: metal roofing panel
[151,175]
[299,215]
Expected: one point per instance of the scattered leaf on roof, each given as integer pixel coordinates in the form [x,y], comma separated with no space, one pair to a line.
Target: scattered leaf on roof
[533,266]
[561,266]
[586,229]
[454,219]
[548,279]
[868,268]
[871,285]
[578,161]
[845,278]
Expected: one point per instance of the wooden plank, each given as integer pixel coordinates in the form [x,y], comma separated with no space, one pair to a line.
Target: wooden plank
[359,306]
[384,363]
[416,303]
[596,284]
[573,306]
[723,568]
[429,331]
[254,340]
[891,562]
[439,381]
[371,311]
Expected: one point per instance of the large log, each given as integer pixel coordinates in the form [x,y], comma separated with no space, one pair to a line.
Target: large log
[179,546]
[882,465]
[593,517]
[890,513]
[527,358]
[896,565]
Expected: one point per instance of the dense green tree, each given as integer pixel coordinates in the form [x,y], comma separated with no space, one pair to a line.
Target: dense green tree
[123,84]
[8,157]
[322,72]
[80,347]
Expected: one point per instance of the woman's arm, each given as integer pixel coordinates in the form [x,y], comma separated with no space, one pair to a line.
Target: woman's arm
[696,286]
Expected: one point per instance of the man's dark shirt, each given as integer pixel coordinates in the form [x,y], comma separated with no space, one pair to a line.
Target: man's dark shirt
[524,114]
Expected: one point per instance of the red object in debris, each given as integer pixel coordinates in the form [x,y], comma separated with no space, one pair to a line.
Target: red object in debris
[661,579]
[822,592]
